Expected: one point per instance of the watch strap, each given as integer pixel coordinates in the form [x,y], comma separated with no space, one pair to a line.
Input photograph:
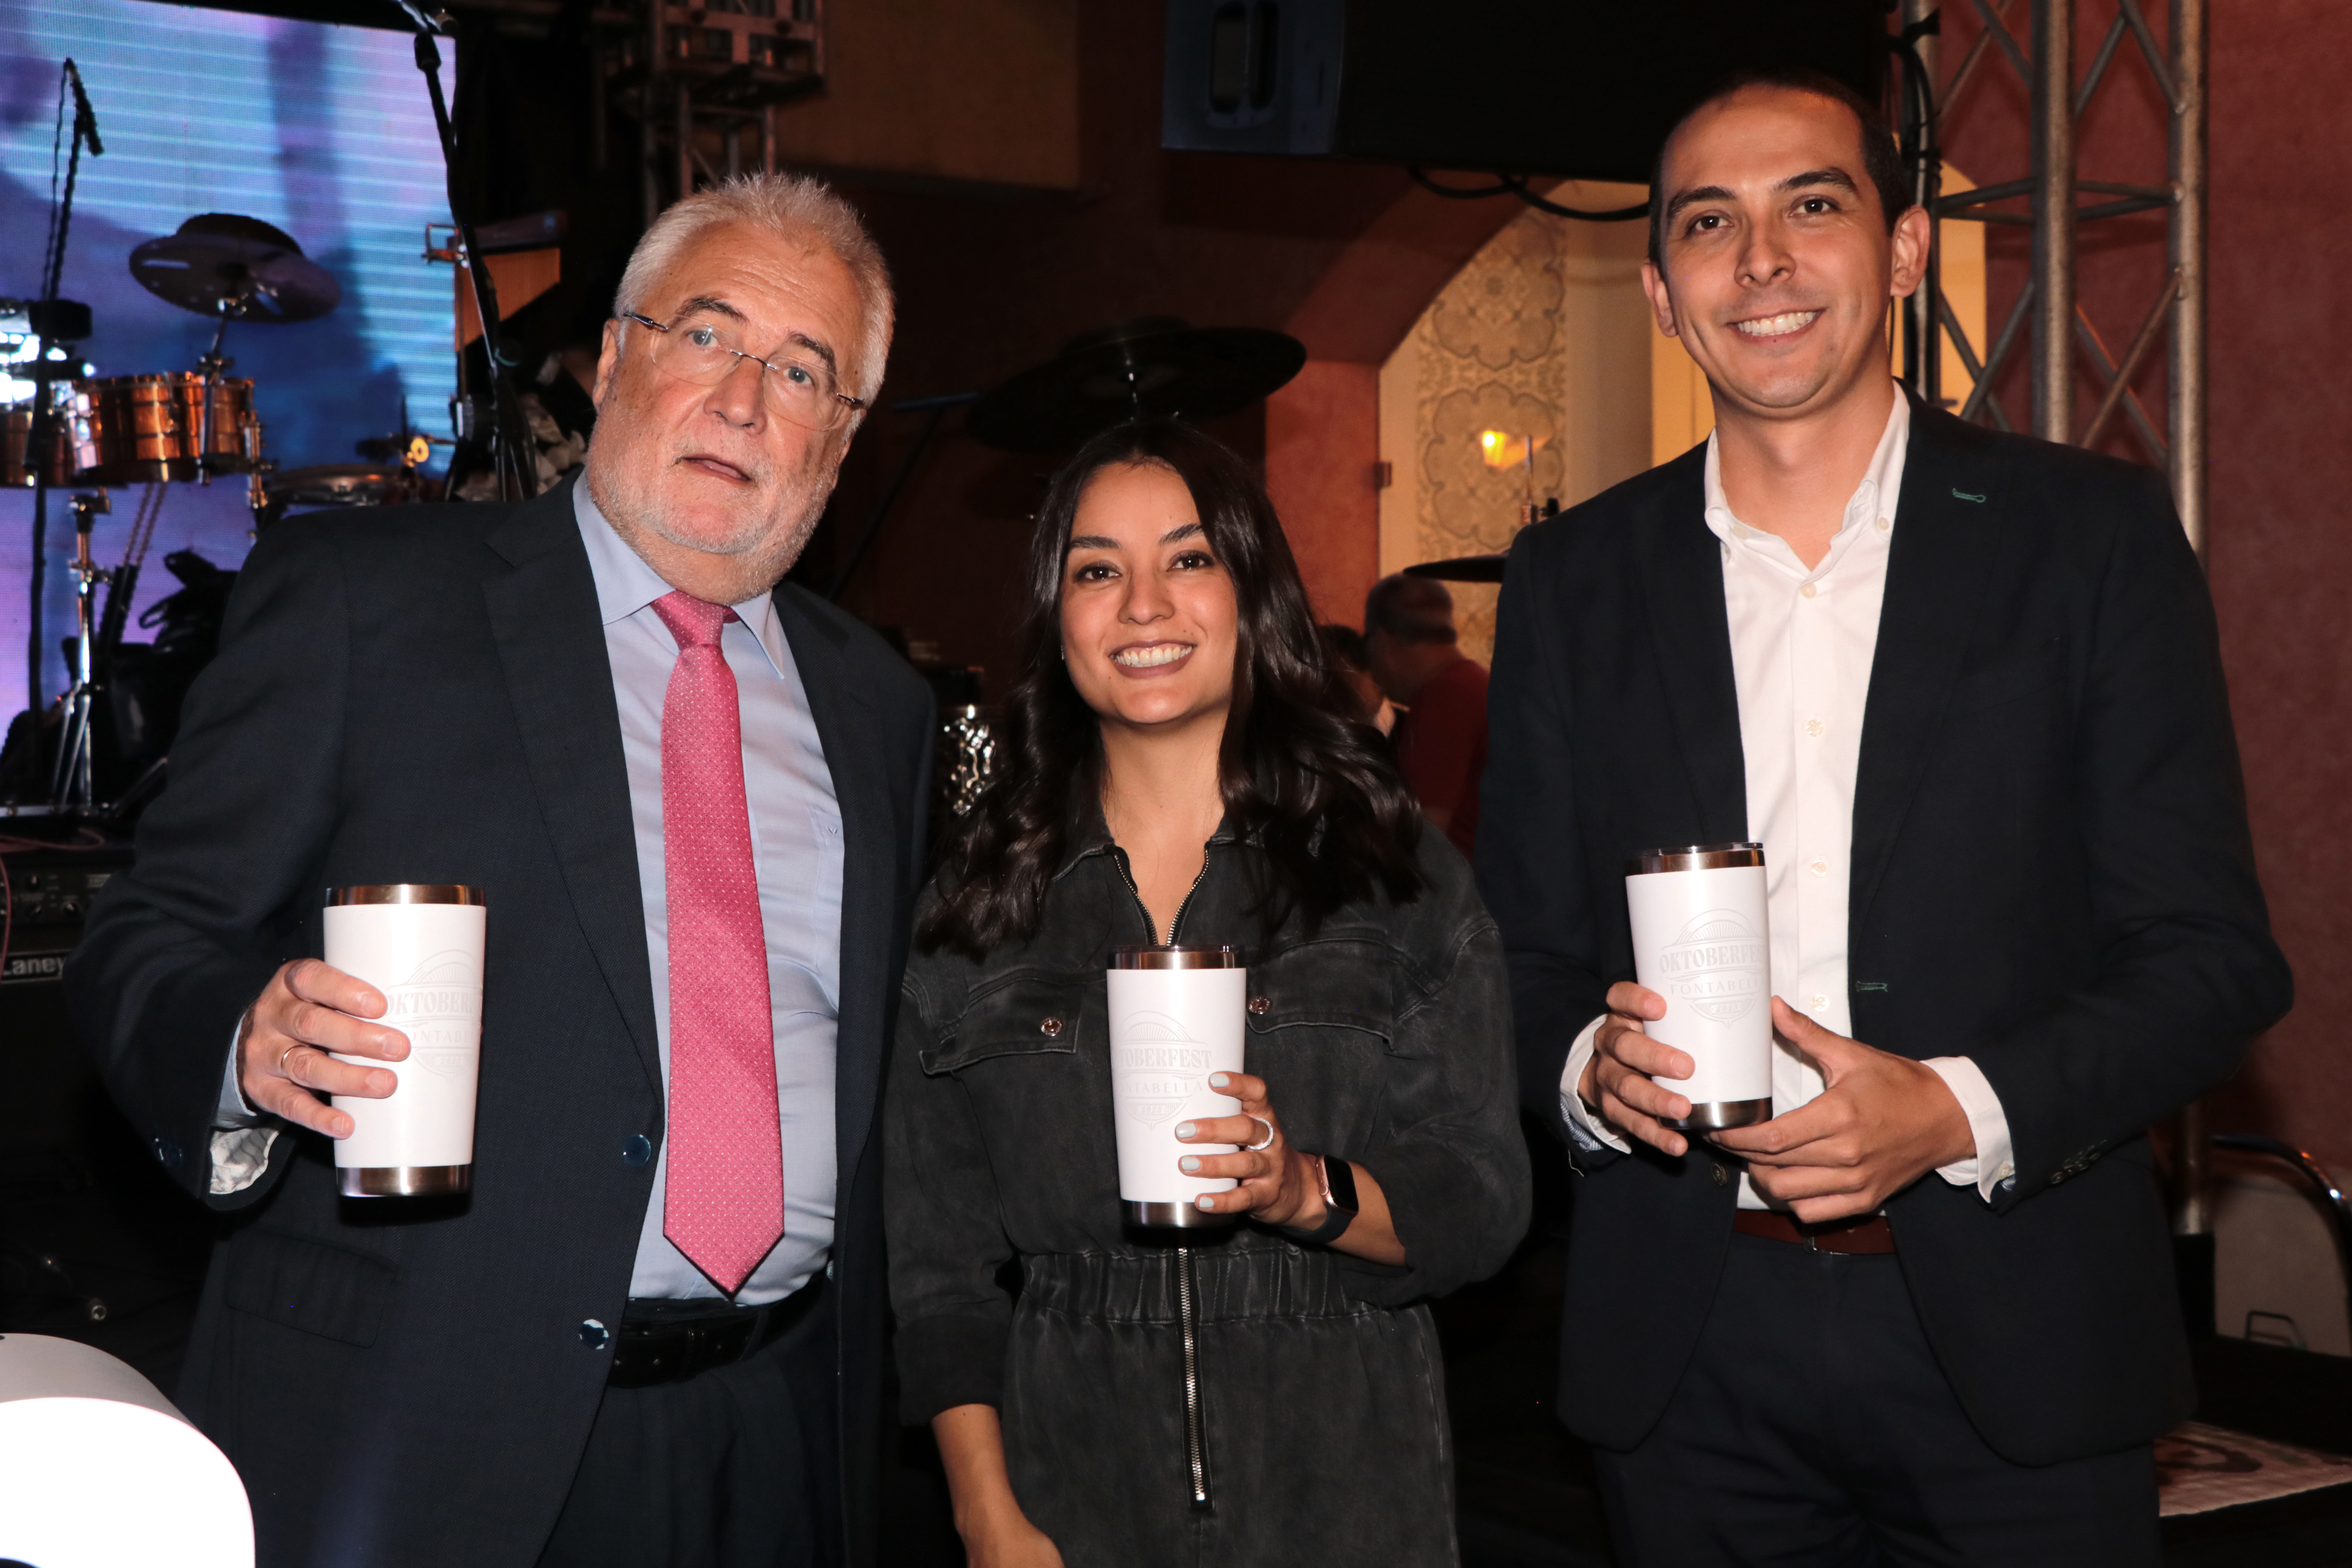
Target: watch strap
[1337,1180]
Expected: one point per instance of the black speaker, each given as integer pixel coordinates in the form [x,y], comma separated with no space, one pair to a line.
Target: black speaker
[96,1243]
[1577,88]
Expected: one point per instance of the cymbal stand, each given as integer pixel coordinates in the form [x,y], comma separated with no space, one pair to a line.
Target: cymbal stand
[74,785]
[212,364]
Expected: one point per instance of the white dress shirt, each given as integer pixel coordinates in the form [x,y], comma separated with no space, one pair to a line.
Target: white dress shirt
[1802,644]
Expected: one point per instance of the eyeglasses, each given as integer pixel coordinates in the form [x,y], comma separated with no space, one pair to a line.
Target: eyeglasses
[799,391]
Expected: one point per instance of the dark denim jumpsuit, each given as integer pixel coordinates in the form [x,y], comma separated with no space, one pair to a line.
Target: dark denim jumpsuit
[1239,1400]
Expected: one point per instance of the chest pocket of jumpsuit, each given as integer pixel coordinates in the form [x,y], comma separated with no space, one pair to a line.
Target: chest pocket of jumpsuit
[1015,1051]
[1322,1018]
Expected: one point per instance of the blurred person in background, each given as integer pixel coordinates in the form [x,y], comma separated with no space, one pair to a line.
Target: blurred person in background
[1412,650]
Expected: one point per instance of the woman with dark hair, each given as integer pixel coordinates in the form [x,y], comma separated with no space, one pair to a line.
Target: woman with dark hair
[1182,763]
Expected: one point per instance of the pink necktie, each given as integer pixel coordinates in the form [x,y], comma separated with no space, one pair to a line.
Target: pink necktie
[725,1206]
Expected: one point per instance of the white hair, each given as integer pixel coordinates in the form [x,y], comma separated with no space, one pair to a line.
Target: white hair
[792,208]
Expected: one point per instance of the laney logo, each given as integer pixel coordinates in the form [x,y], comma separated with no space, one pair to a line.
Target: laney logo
[1159,1066]
[1716,966]
[439,1008]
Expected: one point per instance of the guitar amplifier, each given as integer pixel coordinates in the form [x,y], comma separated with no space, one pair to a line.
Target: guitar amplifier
[96,1243]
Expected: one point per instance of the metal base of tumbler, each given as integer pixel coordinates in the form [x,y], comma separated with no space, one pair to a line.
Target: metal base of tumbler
[404,1181]
[1179,1216]
[1721,1114]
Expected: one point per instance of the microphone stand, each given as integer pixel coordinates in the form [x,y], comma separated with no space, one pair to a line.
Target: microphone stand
[38,438]
[517,466]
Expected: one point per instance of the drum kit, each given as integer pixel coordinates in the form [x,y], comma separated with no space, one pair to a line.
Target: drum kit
[177,428]
[192,427]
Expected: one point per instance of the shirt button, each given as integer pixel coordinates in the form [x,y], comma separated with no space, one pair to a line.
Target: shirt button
[1050,1026]
[1814,726]
[1819,1001]
[168,1153]
[1883,525]
[1806,591]
[594,1334]
[637,1149]
[1820,867]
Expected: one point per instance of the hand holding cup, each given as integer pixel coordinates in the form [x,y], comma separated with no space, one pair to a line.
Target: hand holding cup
[1278,1185]
[309,1009]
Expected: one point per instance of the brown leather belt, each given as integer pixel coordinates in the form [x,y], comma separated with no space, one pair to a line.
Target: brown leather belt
[1866,1233]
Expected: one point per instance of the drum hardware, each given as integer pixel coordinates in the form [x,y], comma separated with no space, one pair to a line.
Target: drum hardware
[73,784]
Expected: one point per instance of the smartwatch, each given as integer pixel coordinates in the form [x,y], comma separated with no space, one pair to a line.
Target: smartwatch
[1337,1179]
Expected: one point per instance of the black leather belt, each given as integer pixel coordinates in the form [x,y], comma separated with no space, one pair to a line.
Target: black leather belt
[670,1341]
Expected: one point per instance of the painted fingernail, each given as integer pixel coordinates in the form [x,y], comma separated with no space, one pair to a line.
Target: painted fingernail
[1209,1203]
[1188,1164]
[1219,1079]
[1185,1129]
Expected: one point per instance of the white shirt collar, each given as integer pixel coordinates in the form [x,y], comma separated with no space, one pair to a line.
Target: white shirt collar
[626,584]
[1874,499]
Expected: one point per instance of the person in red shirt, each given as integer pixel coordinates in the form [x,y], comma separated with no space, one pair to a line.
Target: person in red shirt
[1441,732]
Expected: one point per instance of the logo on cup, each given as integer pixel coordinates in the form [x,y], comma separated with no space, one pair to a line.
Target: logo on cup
[1157,1066]
[439,1009]
[1716,966]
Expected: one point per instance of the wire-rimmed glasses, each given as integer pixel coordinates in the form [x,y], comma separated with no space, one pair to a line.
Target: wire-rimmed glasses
[803,392]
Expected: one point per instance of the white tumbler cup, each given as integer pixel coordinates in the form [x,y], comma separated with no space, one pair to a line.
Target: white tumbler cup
[1175,1017]
[1700,941]
[420,945]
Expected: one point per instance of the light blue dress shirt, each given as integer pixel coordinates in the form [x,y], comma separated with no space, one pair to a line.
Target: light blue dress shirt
[797,851]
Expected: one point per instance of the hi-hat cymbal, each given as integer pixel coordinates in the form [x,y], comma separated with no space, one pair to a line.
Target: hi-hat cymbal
[219,264]
[1154,366]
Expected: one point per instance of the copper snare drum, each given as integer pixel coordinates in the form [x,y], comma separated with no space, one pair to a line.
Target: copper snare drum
[134,429]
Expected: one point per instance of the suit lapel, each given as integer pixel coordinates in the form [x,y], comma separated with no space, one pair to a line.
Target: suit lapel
[1935,572]
[870,870]
[1681,567]
[542,606]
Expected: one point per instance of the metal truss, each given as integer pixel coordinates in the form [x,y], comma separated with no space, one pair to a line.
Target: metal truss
[2045,317]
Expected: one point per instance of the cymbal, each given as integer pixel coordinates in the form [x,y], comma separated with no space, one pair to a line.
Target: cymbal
[219,264]
[1158,365]
[1462,569]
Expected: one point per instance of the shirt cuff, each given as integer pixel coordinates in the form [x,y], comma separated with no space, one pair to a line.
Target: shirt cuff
[1992,1166]
[240,1143]
[1590,1133]
[234,1110]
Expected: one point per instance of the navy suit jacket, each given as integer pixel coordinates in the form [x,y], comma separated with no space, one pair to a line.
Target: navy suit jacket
[2051,874]
[421,694]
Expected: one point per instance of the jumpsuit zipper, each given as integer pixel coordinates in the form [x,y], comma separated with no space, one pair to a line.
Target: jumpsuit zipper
[1196,1446]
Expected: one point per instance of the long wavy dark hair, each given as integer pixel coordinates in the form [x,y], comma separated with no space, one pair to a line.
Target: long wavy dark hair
[1301,776]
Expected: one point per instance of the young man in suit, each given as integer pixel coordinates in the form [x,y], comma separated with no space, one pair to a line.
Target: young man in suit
[651,1332]
[1965,690]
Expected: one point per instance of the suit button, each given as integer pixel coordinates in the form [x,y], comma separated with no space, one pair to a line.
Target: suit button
[594,1334]
[1050,1026]
[1258,1006]
[168,1153]
[637,1149]
[1716,1174]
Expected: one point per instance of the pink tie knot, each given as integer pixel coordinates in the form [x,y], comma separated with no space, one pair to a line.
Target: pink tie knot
[695,622]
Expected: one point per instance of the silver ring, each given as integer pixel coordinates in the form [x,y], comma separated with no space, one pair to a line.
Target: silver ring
[1264,1143]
